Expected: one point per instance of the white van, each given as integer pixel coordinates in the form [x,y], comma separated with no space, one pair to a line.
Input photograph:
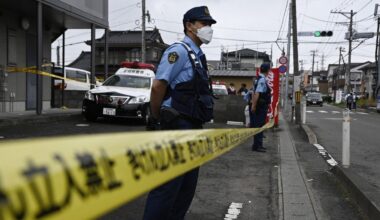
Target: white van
[75,79]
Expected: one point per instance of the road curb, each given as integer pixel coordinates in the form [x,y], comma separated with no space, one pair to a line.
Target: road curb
[363,194]
[37,119]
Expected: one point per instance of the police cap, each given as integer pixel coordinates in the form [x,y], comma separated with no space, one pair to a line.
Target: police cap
[200,13]
[265,67]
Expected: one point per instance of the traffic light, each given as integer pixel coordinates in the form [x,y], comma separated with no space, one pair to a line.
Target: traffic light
[323,33]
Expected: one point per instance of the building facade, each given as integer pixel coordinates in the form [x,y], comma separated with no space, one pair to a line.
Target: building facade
[27,28]
[122,46]
[244,59]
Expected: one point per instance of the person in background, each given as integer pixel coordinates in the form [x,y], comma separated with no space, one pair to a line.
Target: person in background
[243,89]
[231,89]
[177,104]
[354,99]
[261,99]
[349,101]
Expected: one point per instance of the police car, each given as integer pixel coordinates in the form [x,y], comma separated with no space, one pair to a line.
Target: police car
[125,94]
[219,88]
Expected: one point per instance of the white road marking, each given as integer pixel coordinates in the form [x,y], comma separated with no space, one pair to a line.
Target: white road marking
[338,119]
[335,112]
[362,113]
[321,111]
[326,155]
[235,123]
[310,111]
[233,211]
[82,125]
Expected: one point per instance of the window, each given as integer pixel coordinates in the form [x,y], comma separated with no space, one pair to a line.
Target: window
[12,48]
[76,75]
[81,76]
[71,74]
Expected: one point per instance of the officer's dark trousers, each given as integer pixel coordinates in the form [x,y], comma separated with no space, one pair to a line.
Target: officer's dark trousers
[257,121]
[171,200]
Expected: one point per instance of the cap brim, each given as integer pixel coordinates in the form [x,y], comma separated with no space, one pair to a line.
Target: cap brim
[207,18]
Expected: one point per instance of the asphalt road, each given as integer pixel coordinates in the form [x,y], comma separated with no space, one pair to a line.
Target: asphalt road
[72,126]
[240,176]
[326,122]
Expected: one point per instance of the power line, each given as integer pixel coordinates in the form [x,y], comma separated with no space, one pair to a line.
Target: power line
[365,5]
[283,19]
[225,28]
[125,7]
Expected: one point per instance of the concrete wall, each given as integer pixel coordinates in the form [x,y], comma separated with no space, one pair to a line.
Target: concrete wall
[71,99]
[229,108]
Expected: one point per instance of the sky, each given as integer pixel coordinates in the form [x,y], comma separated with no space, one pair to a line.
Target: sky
[253,24]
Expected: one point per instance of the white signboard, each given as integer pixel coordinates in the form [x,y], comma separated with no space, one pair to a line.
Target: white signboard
[297,83]
[338,98]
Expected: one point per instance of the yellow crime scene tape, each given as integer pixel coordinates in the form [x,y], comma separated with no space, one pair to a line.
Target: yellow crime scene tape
[33,70]
[84,177]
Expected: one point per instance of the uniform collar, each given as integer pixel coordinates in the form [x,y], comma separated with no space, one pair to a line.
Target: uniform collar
[193,46]
[262,75]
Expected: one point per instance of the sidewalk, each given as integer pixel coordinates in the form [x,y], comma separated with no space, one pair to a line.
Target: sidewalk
[50,115]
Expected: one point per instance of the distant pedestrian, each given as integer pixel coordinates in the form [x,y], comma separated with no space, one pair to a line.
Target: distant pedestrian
[349,101]
[243,89]
[261,99]
[231,89]
[354,99]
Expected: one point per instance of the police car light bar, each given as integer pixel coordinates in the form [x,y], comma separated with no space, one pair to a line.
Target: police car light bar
[137,65]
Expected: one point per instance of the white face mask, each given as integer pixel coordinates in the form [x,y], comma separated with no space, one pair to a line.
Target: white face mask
[205,34]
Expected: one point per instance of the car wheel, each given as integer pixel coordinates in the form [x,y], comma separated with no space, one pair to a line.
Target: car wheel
[90,116]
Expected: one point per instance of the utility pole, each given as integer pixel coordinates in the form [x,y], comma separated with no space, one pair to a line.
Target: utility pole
[336,75]
[58,57]
[143,45]
[295,63]
[312,70]
[377,58]
[288,56]
[347,85]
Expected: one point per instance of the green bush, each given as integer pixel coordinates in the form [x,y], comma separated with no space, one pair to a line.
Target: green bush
[365,103]
[327,99]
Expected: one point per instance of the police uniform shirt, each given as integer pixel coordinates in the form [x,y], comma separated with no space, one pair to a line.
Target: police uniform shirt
[261,84]
[175,66]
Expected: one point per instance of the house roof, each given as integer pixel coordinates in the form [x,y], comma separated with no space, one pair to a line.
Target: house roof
[241,73]
[83,61]
[213,63]
[130,37]
[246,52]
[372,65]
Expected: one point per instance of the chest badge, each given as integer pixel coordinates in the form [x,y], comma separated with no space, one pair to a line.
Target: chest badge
[172,57]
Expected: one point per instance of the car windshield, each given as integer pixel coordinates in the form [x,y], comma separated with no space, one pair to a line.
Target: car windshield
[219,91]
[128,81]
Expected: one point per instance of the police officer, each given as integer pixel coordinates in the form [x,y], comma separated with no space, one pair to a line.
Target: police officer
[181,98]
[261,100]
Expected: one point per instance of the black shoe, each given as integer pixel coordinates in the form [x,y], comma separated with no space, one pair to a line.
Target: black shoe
[264,148]
[259,150]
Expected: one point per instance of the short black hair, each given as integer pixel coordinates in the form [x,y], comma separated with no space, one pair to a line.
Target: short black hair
[184,25]
[265,67]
